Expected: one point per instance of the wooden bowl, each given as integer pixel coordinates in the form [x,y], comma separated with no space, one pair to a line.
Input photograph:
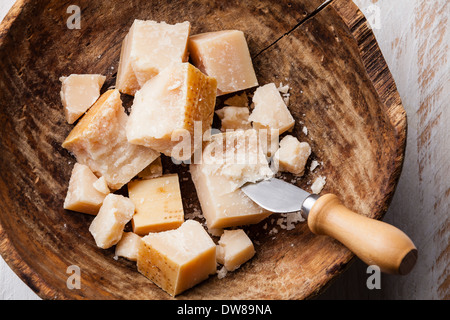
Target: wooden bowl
[341,90]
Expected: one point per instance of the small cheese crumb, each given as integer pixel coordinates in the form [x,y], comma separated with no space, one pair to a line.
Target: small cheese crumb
[305,130]
[314,165]
[318,184]
[222,273]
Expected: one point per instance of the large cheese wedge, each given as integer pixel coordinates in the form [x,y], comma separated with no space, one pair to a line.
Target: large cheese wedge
[168,108]
[219,176]
[225,56]
[179,259]
[82,195]
[107,227]
[234,249]
[99,141]
[270,111]
[79,92]
[292,155]
[148,48]
[158,202]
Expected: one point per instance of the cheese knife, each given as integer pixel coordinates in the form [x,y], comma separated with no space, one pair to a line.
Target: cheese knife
[374,242]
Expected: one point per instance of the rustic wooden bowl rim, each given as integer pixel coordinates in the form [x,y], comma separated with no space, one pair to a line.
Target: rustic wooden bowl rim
[381,78]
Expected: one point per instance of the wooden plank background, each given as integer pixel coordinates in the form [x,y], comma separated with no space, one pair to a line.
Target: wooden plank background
[414,37]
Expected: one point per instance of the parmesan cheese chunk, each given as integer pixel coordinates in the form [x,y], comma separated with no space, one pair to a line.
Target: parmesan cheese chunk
[128,246]
[81,195]
[234,249]
[154,170]
[219,176]
[165,111]
[107,227]
[78,93]
[177,260]
[158,202]
[101,185]
[99,141]
[270,110]
[292,155]
[225,56]
[318,184]
[234,118]
[148,48]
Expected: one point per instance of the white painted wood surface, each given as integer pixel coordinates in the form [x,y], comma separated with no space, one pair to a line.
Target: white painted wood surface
[414,37]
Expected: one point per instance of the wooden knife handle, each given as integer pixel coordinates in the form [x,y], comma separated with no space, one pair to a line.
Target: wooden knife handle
[374,242]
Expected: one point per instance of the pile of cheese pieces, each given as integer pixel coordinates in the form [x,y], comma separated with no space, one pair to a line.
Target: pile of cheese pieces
[114,149]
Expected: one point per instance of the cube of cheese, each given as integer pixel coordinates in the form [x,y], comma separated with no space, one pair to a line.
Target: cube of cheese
[270,110]
[234,249]
[234,118]
[168,107]
[82,196]
[79,92]
[292,155]
[148,48]
[219,176]
[225,56]
[128,246]
[158,202]
[177,260]
[154,170]
[99,141]
[107,227]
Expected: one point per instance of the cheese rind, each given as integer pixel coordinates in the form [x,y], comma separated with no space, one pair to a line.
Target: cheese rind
[177,260]
[169,106]
[78,93]
[107,227]
[158,202]
[234,249]
[292,155]
[99,141]
[225,56]
[270,110]
[147,49]
[128,246]
[81,195]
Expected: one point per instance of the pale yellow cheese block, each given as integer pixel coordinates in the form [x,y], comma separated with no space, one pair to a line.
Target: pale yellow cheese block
[107,227]
[158,202]
[292,155]
[148,48]
[177,260]
[167,109]
[270,110]
[78,93]
[234,249]
[225,56]
[128,246]
[99,141]
[234,118]
[219,176]
[81,195]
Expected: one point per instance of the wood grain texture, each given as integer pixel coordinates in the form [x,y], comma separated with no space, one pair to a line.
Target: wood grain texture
[341,90]
[414,37]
